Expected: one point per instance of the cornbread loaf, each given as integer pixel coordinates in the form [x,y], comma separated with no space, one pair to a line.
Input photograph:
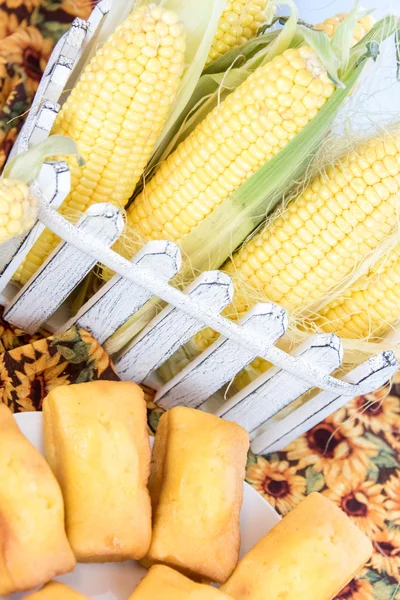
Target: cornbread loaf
[33,544]
[196,487]
[98,447]
[56,591]
[163,583]
[311,554]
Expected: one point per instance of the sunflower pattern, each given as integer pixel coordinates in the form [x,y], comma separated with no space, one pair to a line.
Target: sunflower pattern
[30,369]
[29,29]
[352,458]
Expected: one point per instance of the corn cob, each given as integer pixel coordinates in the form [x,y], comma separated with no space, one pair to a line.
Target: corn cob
[247,129]
[239,22]
[116,112]
[330,25]
[18,209]
[319,239]
[369,307]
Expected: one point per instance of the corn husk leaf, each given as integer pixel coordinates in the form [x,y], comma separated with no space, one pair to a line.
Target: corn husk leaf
[26,166]
[341,41]
[285,37]
[212,242]
[201,22]
[245,209]
[222,76]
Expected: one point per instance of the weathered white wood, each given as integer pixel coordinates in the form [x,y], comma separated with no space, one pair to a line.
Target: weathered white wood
[62,68]
[90,43]
[311,373]
[119,299]
[278,433]
[53,82]
[63,270]
[46,115]
[52,185]
[275,389]
[172,328]
[200,379]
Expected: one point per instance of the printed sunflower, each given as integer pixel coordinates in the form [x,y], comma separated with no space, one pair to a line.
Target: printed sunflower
[29,5]
[12,337]
[278,483]
[37,379]
[28,49]
[6,385]
[386,556]
[336,447]
[357,589]
[392,504]
[7,141]
[76,8]
[9,23]
[393,437]
[97,356]
[378,411]
[363,502]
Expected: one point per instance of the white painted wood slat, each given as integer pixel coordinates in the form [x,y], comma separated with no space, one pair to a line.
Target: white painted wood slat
[119,298]
[53,183]
[63,270]
[275,389]
[222,361]
[53,81]
[304,370]
[172,328]
[279,433]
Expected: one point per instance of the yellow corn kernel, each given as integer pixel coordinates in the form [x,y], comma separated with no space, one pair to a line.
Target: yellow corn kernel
[329,234]
[239,23]
[116,112]
[206,167]
[318,240]
[370,306]
[18,209]
[364,25]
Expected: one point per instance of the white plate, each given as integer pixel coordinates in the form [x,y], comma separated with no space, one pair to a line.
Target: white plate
[116,581]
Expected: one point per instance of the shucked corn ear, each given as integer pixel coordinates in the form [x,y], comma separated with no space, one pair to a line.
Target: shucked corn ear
[323,234]
[18,209]
[297,258]
[239,22]
[370,306]
[18,206]
[116,112]
[247,129]
[363,26]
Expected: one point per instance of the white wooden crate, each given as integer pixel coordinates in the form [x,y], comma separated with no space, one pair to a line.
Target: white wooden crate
[258,407]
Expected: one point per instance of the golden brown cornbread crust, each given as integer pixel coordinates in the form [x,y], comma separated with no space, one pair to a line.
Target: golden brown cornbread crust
[196,485]
[34,547]
[98,446]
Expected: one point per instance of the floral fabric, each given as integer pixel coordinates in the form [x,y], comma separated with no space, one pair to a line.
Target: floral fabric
[352,458]
[30,369]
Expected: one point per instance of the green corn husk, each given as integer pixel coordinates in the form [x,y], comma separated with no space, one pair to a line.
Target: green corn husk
[25,167]
[214,240]
[220,78]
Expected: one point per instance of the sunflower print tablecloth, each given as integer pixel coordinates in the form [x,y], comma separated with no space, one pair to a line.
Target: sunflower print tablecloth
[352,457]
